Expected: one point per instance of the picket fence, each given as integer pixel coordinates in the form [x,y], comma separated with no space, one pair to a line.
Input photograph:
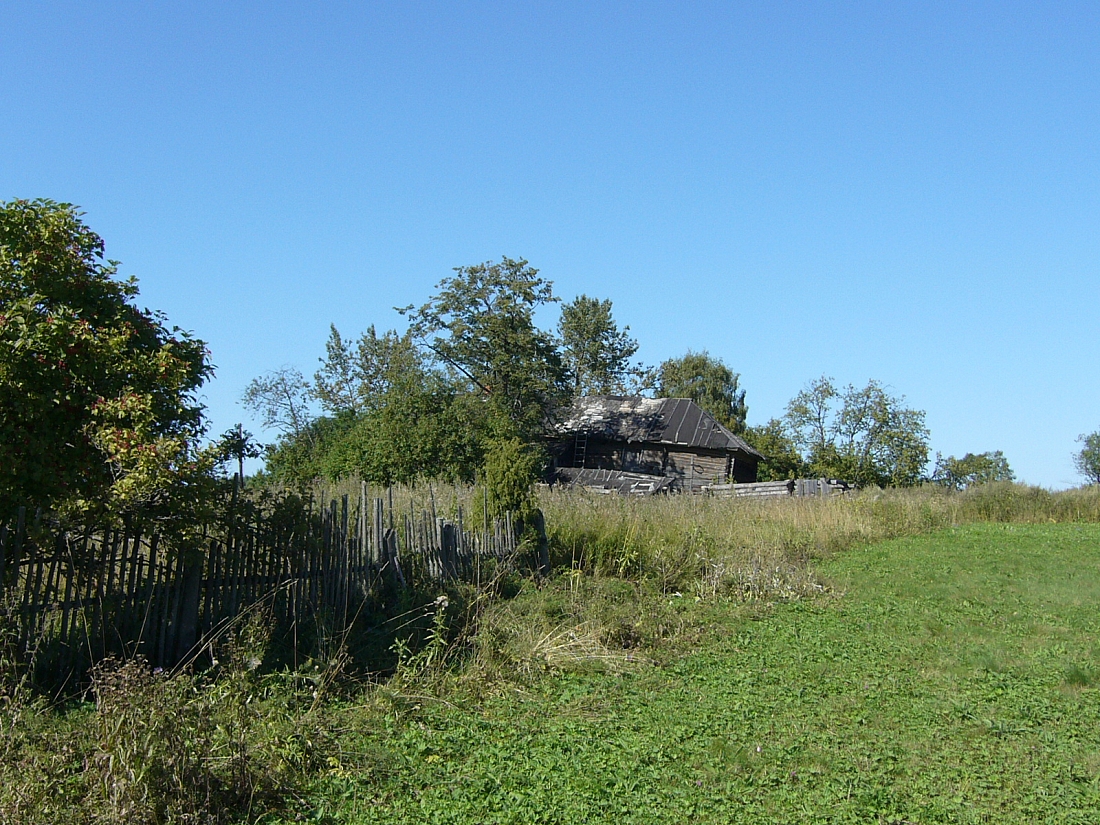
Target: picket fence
[69,599]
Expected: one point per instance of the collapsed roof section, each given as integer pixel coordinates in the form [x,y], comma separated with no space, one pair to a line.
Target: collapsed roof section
[676,422]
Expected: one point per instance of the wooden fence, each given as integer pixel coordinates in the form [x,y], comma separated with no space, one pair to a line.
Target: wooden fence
[72,598]
[796,487]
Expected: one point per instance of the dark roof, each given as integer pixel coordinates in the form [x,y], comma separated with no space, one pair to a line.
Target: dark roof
[678,421]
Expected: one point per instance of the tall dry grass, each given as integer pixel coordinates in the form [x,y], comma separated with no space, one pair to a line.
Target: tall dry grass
[755,546]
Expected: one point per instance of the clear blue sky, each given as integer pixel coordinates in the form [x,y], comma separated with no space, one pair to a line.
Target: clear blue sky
[902,191]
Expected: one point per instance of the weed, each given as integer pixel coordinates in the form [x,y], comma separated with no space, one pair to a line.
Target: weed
[1078,677]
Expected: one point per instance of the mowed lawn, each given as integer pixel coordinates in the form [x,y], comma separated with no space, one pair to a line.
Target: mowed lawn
[946,678]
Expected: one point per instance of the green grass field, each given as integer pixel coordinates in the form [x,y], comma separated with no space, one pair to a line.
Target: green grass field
[952,677]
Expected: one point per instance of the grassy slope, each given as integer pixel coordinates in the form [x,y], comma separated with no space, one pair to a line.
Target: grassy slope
[953,678]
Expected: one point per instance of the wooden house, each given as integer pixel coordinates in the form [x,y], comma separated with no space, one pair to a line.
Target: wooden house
[669,438]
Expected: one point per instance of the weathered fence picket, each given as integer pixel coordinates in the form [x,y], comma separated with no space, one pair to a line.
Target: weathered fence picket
[125,590]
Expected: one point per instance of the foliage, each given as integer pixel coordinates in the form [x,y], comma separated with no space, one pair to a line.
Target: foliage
[708,382]
[596,351]
[1087,460]
[507,478]
[982,635]
[943,680]
[97,397]
[282,397]
[781,457]
[231,745]
[983,468]
[393,418]
[481,325]
[361,381]
[419,432]
[865,436]
[298,460]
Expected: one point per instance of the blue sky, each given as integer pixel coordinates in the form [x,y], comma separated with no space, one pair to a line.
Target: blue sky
[908,192]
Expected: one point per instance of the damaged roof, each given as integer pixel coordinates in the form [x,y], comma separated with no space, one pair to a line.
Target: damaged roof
[614,481]
[676,421]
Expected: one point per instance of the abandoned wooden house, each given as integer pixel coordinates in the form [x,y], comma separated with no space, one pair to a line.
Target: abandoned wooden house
[643,445]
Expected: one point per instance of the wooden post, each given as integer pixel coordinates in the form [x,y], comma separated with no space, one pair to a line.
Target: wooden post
[344,566]
[363,543]
[17,543]
[190,599]
[378,556]
[66,605]
[393,561]
[213,571]
[3,554]
[31,582]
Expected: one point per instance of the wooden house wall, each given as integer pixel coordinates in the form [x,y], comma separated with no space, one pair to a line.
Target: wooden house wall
[690,469]
[694,470]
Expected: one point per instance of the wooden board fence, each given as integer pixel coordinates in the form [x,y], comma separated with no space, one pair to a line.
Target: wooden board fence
[68,599]
[797,488]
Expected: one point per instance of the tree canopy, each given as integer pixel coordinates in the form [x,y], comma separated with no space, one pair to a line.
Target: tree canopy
[708,382]
[481,325]
[97,397]
[596,351]
[472,372]
[972,469]
[866,435]
[1087,459]
[781,457]
[282,397]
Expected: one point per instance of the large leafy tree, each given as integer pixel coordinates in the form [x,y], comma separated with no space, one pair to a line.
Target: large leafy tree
[414,423]
[480,324]
[391,415]
[357,380]
[708,382]
[781,457]
[596,351]
[1087,460]
[862,435]
[972,469]
[282,397]
[97,396]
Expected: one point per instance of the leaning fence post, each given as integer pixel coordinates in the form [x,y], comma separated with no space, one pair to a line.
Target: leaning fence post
[393,563]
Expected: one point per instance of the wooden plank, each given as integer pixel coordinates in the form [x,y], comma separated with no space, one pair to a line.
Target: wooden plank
[32,577]
[98,632]
[210,584]
[3,557]
[190,600]
[85,589]
[50,599]
[116,539]
[222,583]
[393,559]
[148,593]
[272,559]
[344,566]
[66,604]
[236,566]
[161,608]
[248,570]
[17,543]
[130,588]
[175,610]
